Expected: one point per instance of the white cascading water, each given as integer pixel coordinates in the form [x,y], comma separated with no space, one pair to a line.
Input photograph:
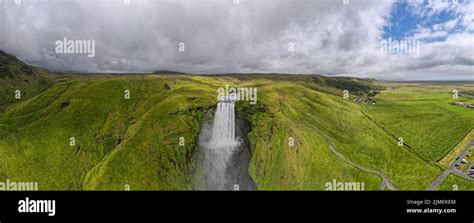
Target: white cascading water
[221,146]
[223,130]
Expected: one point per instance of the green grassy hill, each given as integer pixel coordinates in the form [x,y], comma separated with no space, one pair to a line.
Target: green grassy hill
[134,142]
[118,141]
[16,75]
[317,120]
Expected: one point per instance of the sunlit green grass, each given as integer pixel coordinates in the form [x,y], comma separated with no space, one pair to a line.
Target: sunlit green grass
[317,120]
[424,118]
[453,182]
[142,133]
[135,142]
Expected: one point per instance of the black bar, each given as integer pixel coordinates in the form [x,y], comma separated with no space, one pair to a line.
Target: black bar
[366,206]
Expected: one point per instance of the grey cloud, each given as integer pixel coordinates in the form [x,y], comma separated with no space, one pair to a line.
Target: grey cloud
[219,36]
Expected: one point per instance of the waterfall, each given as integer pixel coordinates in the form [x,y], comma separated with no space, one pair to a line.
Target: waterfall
[224,151]
[223,130]
[220,147]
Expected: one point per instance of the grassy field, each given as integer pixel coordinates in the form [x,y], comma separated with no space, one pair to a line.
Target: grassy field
[454,153]
[422,115]
[454,182]
[123,143]
[317,120]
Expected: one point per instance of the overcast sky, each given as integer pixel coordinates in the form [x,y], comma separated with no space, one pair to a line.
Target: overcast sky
[285,36]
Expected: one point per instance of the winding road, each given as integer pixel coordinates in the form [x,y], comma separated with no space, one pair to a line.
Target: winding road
[385,182]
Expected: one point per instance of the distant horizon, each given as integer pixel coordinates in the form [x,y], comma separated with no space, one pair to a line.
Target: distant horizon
[236,73]
[383,40]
